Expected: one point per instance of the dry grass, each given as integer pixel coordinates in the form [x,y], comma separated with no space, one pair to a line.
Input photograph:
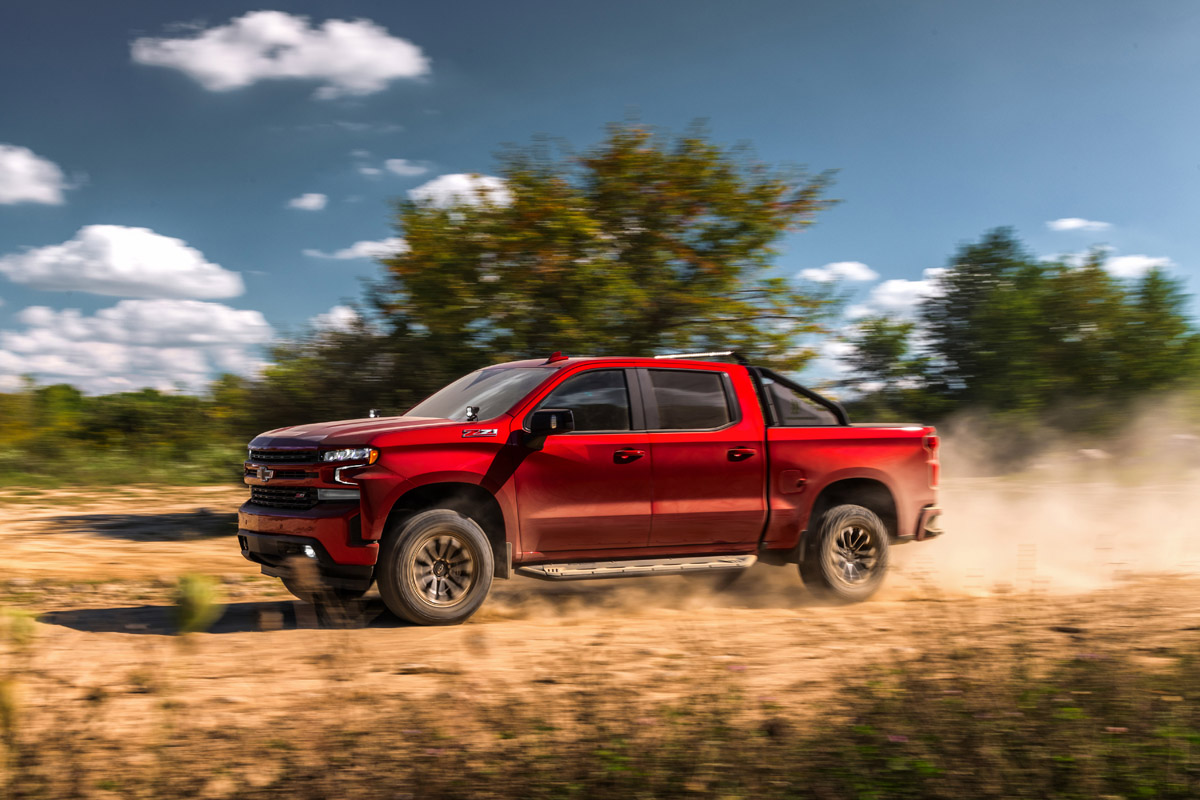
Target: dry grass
[953,716]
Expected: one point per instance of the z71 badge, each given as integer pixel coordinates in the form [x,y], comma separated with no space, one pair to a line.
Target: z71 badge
[472,433]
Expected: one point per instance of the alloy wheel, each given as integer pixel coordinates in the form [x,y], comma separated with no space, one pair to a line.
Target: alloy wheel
[443,570]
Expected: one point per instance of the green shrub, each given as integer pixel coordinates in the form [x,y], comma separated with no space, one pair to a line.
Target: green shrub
[197,603]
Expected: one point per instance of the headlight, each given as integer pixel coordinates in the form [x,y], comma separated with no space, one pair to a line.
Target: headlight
[367,454]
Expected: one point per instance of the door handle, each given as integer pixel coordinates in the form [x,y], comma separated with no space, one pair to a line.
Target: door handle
[625,456]
[741,453]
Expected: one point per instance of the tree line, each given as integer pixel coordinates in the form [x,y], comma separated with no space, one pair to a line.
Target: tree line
[1004,332]
[642,244]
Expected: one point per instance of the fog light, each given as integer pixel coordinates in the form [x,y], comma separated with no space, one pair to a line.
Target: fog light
[338,494]
[310,551]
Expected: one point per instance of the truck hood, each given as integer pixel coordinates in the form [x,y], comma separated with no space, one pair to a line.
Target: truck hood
[343,432]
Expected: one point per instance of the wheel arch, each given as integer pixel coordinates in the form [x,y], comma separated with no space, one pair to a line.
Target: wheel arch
[869,493]
[470,499]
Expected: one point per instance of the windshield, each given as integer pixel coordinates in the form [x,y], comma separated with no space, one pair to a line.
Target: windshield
[490,392]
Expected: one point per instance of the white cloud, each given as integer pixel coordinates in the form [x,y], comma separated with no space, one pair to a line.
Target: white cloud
[370,172]
[830,362]
[1134,266]
[26,177]
[311,201]
[338,318]
[897,297]
[349,126]
[121,261]
[367,249]
[1130,266]
[347,57]
[840,270]
[134,344]
[1077,224]
[460,188]
[402,166]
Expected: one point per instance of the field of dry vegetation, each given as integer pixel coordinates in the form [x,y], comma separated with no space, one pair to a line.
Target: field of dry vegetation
[1046,647]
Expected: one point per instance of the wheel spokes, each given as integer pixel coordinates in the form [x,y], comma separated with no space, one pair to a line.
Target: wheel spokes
[443,570]
[853,554]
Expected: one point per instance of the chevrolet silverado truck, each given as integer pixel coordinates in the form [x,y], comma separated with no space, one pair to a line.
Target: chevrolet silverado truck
[573,468]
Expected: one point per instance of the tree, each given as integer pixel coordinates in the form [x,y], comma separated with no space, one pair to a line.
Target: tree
[890,377]
[641,245]
[1007,331]
[1160,346]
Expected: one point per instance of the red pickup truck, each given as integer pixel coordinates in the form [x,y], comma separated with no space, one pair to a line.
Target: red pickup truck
[570,468]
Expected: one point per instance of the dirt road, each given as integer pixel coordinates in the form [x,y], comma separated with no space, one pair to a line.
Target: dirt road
[98,569]
[104,696]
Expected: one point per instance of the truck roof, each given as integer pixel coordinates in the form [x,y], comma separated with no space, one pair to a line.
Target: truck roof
[558,360]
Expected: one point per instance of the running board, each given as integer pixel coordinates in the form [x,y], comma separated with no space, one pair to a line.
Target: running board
[582,570]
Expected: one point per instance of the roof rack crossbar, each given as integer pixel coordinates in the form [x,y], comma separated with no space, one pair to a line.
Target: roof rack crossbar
[734,353]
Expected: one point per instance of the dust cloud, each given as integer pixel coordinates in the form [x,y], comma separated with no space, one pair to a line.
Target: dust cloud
[1074,517]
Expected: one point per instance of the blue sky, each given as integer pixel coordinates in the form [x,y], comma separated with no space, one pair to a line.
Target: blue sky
[150,152]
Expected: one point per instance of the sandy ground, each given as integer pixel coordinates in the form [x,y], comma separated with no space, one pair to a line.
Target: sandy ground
[1053,570]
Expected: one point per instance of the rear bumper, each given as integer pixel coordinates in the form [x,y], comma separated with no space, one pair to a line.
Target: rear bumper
[274,553]
[929,523]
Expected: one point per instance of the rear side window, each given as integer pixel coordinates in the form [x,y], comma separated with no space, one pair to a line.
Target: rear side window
[794,410]
[599,399]
[689,399]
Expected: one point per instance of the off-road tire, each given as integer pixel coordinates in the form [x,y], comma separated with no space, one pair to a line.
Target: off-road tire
[435,567]
[847,558]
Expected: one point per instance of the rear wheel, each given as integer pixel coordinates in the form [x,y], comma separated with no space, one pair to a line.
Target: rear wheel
[847,559]
[436,568]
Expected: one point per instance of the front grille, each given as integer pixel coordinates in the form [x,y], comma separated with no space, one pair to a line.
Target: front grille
[282,474]
[301,498]
[284,456]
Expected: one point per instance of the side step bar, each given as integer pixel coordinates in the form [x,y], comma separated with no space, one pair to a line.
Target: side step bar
[582,570]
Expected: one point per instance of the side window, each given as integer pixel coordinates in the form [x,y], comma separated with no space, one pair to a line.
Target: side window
[689,399]
[794,410]
[599,398]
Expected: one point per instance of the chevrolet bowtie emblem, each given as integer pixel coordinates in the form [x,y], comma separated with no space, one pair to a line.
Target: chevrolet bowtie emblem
[265,474]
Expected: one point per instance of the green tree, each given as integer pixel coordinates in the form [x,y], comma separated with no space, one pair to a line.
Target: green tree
[881,353]
[882,366]
[1160,346]
[339,374]
[1009,332]
[643,244]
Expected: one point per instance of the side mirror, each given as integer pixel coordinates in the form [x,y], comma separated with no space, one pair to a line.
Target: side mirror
[547,422]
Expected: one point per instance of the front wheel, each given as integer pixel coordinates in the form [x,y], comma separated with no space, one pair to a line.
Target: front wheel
[847,559]
[436,569]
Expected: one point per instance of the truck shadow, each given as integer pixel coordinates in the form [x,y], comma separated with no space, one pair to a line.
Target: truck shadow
[179,526]
[236,618]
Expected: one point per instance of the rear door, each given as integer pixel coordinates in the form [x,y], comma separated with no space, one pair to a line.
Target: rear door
[709,462]
[591,489]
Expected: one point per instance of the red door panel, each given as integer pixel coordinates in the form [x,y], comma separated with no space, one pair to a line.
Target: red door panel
[586,491]
[708,488]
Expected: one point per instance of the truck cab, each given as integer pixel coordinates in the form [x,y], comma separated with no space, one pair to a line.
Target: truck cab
[573,468]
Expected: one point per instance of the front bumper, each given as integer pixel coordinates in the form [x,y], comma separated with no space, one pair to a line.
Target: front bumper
[272,537]
[336,526]
[274,553]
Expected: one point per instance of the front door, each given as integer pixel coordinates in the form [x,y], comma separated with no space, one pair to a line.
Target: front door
[592,489]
